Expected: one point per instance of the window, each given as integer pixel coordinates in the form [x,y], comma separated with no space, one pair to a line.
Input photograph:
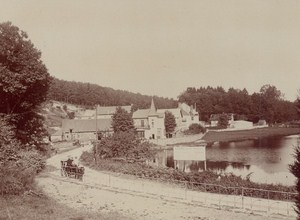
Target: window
[142,123]
[152,122]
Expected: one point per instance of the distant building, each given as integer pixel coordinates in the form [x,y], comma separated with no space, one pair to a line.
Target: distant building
[184,114]
[57,136]
[85,129]
[102,112]
[149,123]
[241,124]
[109,111]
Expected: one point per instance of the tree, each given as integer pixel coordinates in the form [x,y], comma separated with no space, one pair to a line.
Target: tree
[170,123]
[223,121]
[122,121]
[297,103]
[295,170]
[24,82]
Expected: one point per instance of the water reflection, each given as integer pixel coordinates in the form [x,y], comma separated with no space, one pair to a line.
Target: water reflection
[266,159]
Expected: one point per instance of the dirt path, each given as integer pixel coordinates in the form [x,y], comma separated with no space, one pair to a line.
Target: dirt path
[92,196]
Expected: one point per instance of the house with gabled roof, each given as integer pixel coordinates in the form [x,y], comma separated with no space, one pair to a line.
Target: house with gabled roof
[184,114]
[149,123]
[85,129]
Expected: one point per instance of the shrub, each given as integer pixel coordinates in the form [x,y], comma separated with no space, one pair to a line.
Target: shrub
[18,167]
[195,129]
[123,145]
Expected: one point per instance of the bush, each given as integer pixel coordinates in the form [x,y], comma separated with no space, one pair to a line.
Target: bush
[195,129]
[18,176]
[18,167]
[123,145]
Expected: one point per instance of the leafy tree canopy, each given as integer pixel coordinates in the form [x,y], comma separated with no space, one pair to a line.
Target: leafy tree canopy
[267,104]
[170,122]
[122,121]
[223,121]
[24,83]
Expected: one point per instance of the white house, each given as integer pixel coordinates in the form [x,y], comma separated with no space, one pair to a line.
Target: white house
[149,123]
[184,114]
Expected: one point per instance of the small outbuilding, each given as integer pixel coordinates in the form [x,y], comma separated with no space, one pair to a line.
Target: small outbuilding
[241,124]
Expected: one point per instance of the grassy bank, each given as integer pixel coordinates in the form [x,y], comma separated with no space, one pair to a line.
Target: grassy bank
[214,136]
[38,206]
[210,180]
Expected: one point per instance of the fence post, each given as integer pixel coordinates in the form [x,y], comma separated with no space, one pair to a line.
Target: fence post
[287,204]
[219,197]
[268,202]
[185,191]
[242,197]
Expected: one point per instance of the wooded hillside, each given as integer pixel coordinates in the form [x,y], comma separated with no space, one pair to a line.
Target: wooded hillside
[267,104]
[88,94]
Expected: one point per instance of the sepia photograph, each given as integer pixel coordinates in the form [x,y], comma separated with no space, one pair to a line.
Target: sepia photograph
[149,110]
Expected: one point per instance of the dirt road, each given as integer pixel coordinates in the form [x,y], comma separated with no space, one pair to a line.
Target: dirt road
[92,195]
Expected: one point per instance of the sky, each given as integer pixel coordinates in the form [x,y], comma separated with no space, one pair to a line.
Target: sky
[161,47]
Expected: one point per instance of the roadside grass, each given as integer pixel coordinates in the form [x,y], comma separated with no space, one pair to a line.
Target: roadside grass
[39,206]
[213,136]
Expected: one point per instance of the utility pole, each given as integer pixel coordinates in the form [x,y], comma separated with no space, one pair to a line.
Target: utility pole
[96,143]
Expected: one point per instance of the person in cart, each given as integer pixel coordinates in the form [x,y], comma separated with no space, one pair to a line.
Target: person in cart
[70,162]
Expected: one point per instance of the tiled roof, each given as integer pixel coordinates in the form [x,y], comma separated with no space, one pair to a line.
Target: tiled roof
[110,110]
[141,113]
[175,111]
[145,113]
[86,125]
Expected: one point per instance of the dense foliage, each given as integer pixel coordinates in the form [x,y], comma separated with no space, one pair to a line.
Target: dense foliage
[122,121]
[91,94]
[123,145]
[295,170]
[223,121]
[18,166]
[170,123]
[267,104]
[195,129]
[24,82]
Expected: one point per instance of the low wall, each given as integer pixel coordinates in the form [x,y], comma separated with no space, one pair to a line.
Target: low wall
[176,140]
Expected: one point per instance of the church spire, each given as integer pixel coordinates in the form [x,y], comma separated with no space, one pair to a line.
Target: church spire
[152,110]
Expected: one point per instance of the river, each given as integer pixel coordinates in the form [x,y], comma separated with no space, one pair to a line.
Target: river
[264,160]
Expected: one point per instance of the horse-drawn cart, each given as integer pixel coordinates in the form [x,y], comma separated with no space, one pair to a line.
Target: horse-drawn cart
[71,170]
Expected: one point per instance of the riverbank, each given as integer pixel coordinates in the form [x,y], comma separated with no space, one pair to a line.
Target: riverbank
[222,136]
